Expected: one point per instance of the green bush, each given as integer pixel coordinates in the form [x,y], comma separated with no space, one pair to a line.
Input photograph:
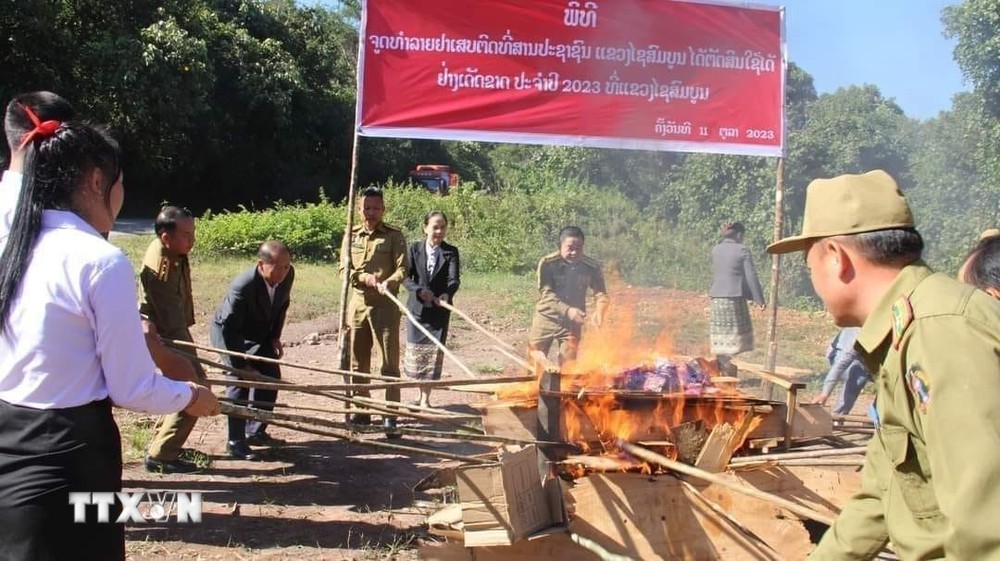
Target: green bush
[505,232]
[308,229]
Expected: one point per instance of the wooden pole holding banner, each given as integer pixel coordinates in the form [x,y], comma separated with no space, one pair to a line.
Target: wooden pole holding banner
[344,340]
[771,358]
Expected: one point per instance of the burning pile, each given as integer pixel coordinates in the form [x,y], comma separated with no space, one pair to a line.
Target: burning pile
[671,406]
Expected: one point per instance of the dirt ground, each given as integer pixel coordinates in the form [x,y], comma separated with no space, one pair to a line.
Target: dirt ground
[321,498]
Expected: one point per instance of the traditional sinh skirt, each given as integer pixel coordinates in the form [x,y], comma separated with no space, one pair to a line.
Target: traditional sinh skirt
[731,330]
[422,359]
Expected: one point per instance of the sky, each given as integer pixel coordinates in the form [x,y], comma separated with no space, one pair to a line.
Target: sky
[896,45]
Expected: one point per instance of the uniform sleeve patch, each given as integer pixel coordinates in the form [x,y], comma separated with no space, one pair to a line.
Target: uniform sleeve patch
[916,380]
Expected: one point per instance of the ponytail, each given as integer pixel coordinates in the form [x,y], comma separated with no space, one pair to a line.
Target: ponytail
[56,162]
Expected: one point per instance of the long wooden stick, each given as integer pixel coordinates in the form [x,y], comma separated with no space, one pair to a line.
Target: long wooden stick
[179,343]
[794,508]
[416,323]
[500,342]
[278,385]
[816,462]
[436,413]
[250,377]
[283,420]
[520,361]
[797,455]
[384,407]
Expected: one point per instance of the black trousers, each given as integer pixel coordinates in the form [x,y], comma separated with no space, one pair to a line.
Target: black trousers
[240,428]
[44,455]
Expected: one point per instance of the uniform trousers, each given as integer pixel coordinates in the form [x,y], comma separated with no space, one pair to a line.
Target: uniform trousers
[172,431]
[375,327]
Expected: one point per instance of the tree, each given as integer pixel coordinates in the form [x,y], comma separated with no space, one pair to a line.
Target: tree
[975,24]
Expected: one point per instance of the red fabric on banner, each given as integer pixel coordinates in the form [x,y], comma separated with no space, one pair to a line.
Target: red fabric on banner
[645,74]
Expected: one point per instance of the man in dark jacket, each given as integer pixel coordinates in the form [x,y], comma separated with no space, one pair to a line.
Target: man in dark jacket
[249,320]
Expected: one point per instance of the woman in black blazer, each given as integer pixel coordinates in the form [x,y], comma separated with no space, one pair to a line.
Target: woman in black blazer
[434,277]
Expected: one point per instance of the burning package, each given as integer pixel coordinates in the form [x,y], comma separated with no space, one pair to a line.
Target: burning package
[665,376]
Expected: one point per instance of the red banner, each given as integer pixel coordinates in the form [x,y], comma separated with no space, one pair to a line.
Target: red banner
[643,74]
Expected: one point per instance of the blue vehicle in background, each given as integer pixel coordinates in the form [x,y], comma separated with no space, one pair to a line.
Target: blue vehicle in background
[436,178]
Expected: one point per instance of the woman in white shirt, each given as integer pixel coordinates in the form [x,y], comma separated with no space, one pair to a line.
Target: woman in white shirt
[70,346]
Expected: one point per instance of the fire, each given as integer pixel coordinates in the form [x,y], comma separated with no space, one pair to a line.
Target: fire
[625,387]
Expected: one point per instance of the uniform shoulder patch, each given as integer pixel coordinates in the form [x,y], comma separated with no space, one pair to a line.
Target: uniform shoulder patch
[548,258]
[902,317]
[390,227]
[590,262]
[919,385]
[163,269]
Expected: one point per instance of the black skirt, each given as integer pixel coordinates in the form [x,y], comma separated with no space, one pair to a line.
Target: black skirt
[44,455]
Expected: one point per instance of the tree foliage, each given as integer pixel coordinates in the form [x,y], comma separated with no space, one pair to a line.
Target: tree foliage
[222,104]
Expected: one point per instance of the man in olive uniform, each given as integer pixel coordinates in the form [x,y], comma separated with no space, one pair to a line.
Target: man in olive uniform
[931,481]
[563,279]
[378,265]
[165,300]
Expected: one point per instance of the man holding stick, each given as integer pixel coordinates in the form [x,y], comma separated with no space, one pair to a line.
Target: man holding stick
[931,481]
[250,320]
[378,266]
[166,301]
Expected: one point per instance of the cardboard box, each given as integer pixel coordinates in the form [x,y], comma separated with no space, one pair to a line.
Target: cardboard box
[503,502]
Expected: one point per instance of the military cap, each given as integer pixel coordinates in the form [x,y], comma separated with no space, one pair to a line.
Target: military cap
[849,204]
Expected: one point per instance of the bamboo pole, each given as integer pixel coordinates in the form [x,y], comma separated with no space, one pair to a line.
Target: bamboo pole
[277,419]
[416,323]
[771,358]
[816,462]
[500,342]
[279,405]
[343,341]
[278,385]
[179,343]
[318,390]
[794,508]
[381,406]
[799,455]
[518,360]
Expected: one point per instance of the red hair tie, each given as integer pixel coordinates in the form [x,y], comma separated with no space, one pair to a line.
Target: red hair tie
[43,129]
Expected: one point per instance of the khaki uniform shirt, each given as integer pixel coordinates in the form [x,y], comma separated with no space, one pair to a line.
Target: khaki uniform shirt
[564,285]
[165,292]
[931,481]
[381,252]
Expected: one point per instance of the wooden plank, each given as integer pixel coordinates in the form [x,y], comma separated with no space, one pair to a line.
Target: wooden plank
[717,450]
[553,547]
[786,371]
[654,518]
[810,421]
[512,421]
[722,443]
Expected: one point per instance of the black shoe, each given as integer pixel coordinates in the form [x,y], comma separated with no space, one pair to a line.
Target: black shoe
[359,419]
[170,466]
[238,450]
[263,439]
[391,432]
